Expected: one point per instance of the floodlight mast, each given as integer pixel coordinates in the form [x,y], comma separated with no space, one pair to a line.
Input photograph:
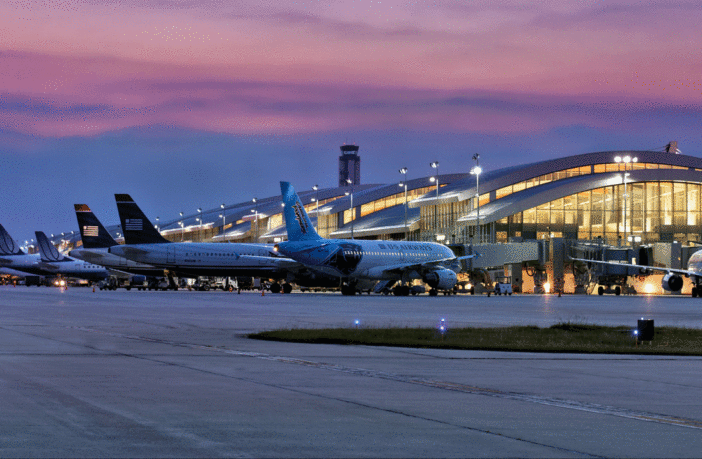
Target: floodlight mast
[477,170]
[435,165]
[403,171]
[350,182]
[316,199]
[626,160]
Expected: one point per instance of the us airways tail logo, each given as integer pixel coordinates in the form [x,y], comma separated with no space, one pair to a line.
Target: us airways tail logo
[300,217]
[89,230]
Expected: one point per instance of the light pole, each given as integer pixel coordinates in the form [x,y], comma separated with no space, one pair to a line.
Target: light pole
[182,228]
[476,171]
[255,211]
[156,225]
[316,199]
[224,217]
[403,171]
[199,209]
[352,212]
[626,160]
[435,165]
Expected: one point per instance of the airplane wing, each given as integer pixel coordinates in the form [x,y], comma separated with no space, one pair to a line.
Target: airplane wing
[682,272]
[424,266]
[133,251]
[93,257]
[50,267]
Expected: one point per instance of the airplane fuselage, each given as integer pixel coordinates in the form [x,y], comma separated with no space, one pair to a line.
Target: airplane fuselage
[33,264]
[103,257]
[694,265]
[364,259]
[208,258]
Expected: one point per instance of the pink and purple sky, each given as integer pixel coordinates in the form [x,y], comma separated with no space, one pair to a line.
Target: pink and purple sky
[193,103]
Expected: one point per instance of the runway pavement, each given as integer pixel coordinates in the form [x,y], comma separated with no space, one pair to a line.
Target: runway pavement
[172,374]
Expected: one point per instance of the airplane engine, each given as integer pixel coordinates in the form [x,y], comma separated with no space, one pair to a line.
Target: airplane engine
[672,282]
[442,279]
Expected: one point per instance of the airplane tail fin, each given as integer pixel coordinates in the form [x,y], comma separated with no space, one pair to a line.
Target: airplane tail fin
[137,229]
[8,246]
[297,222]
[46,249]
[93,234]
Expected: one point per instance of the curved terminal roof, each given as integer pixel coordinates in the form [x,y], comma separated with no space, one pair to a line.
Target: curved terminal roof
[462,190]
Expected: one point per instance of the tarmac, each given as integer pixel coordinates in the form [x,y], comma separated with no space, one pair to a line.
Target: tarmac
[154,374]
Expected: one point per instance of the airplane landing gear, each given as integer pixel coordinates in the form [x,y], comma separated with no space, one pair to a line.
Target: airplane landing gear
[401,290]
[348,290]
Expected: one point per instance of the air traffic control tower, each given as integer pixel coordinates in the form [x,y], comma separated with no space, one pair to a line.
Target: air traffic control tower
[349,165]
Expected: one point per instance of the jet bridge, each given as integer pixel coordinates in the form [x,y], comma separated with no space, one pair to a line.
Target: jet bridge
[511,256]
[607,278]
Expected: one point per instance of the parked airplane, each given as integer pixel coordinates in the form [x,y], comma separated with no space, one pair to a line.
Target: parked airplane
[56,263]
[146,245]
[13,257]
[96,242]
[354,261]
[673,279]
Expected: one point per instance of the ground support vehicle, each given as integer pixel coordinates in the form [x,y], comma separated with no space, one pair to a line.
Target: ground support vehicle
[113,283]
[503,285]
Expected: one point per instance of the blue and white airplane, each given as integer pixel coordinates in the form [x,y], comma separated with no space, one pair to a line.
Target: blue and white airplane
[356,261]
[48,262]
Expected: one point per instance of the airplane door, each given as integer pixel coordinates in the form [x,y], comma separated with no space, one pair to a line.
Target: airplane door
[170,253]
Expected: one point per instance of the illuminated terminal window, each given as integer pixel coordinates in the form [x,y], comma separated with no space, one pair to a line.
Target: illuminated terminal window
[655,211]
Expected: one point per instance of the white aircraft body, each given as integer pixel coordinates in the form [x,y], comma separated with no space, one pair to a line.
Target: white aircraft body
[48,262]
[354,261]
[58,264]
[673,278]
[146,245]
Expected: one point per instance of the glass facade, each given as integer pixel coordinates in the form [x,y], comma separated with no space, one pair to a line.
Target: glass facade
[655,211]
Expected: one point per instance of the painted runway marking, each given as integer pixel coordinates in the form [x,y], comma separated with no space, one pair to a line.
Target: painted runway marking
[444,385]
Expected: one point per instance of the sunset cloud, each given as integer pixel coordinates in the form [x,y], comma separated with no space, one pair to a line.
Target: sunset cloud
[432,74]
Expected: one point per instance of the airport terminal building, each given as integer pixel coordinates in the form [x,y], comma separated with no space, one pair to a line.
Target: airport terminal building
[613,196]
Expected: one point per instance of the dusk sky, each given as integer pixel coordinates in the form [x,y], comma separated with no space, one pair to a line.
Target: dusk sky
[193,103]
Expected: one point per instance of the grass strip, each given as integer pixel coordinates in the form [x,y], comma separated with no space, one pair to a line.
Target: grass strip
[563,337]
